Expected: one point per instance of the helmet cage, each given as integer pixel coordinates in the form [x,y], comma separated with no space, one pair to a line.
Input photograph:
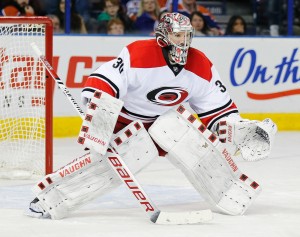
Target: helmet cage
[170,24]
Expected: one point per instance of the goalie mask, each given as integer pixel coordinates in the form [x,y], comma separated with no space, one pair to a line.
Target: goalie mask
[176,32]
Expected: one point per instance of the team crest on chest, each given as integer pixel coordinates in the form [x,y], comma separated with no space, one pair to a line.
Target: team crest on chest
[167,96]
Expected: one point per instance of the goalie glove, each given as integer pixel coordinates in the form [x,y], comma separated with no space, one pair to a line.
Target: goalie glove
[253,139]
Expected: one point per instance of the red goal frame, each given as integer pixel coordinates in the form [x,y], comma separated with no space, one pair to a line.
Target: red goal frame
[49,82]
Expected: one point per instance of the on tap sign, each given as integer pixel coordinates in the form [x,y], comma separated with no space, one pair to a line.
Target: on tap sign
[286,72]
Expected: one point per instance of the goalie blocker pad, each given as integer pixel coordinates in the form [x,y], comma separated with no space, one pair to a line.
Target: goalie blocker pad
[99,122]
[90,175]
[205,161]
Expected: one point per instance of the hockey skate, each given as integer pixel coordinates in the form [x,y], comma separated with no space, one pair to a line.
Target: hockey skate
[35,210]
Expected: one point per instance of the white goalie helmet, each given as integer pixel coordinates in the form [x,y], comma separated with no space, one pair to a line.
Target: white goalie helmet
[175,31]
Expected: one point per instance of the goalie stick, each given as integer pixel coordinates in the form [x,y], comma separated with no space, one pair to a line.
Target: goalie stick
[156,215]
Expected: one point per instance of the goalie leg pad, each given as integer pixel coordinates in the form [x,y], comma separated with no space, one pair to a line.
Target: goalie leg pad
[75,184]
[99,122]
[204,161]
[90,176]
[134,144]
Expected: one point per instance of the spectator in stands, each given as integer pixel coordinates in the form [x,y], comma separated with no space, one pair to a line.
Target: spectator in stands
[200,25]
[77,22]
[148,13]
[236,26]
[186,7]
[115,27]
[56,23]
[113,9]
[20,8]
[132,9]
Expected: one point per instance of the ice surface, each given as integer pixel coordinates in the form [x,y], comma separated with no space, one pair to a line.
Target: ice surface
[276,212]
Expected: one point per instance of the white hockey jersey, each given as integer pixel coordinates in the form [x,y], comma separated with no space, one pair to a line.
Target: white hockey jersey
[149,85]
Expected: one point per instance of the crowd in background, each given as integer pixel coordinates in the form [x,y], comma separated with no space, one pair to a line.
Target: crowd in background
[118,17]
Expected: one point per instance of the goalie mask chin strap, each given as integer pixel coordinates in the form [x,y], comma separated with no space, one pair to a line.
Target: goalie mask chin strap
[176,68]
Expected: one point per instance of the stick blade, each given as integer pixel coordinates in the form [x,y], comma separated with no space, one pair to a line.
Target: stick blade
[184,218]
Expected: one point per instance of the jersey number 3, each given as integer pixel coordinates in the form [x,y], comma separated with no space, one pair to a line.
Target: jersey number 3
[119,64]
[222,87]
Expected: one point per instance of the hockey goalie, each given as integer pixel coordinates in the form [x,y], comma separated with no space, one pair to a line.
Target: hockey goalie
[135,111]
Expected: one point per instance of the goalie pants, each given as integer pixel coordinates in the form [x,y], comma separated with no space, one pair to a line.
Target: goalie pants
[123,122]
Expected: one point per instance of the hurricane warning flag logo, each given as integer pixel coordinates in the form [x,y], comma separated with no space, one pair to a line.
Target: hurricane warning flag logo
[167,96]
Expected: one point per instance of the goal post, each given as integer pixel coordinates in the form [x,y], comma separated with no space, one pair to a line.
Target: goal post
[26,103]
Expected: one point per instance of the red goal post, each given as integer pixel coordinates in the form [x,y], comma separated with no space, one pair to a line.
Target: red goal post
[26,103]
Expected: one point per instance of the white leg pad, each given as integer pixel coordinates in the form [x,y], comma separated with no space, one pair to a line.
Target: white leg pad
[134,144]
[75,184]
[205,161]
[90,175]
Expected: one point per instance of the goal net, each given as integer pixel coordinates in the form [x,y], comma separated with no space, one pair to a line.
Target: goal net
[25,98]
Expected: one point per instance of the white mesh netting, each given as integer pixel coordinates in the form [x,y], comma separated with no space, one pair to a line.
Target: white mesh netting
[22,101]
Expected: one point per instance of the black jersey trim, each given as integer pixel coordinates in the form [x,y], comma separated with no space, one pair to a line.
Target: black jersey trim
[89,89]
[213,121]
[216,110]
[113,85]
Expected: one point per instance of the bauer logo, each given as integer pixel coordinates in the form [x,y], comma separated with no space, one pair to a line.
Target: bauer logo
[129,181]
[285,72]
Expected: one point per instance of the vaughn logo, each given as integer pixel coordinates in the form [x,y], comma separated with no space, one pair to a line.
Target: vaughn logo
[74,166]
[94,139]
[287,71]
[230,161]
[167,96]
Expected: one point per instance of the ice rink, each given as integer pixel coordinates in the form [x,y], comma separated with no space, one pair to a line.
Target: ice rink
[275,213]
